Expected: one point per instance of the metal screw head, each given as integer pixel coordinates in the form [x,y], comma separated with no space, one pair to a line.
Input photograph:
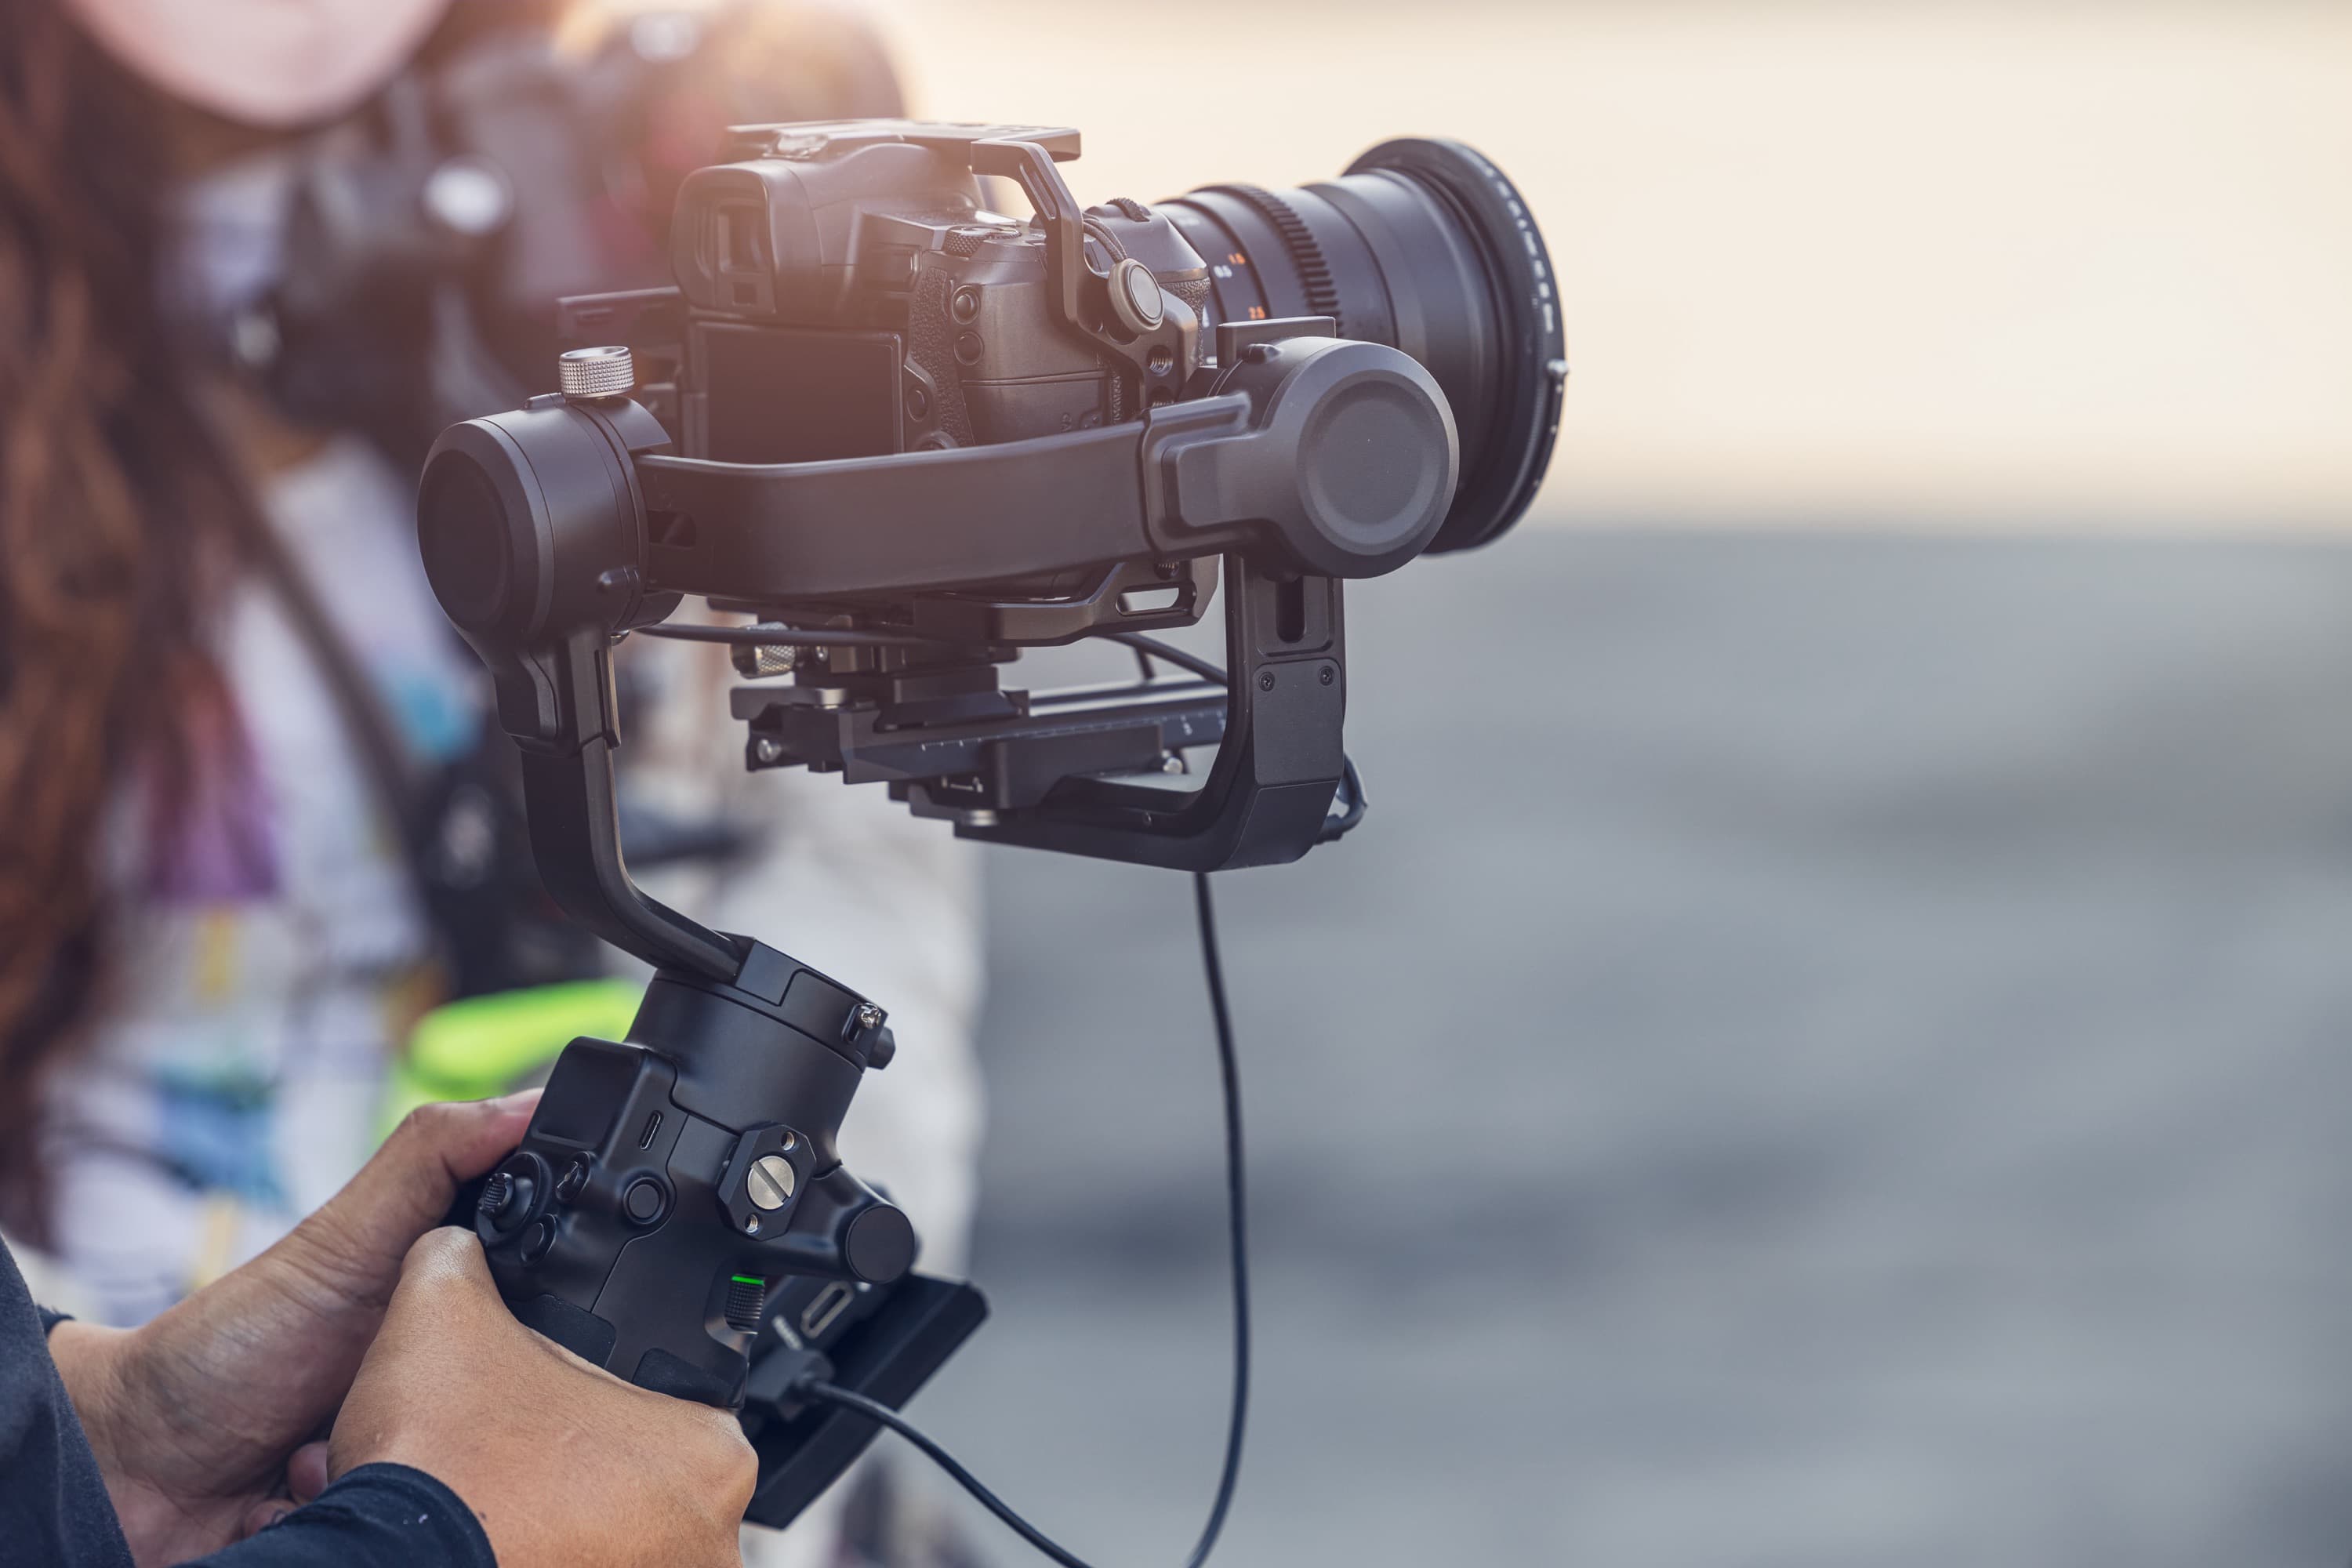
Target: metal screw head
[869,1017]
[1266,680]
[750,1224]
[606,372]
[768,749]
[1327,675]
[769,1184]
[762,660]
[1171,763]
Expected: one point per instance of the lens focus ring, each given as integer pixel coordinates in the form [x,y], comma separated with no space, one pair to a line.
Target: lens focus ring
[1306,255]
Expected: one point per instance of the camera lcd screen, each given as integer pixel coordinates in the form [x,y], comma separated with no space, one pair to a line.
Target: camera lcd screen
[783,395]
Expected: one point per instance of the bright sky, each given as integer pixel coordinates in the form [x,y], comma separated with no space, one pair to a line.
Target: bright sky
[2068,264]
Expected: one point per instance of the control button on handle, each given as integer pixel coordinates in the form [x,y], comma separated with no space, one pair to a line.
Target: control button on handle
[645,1201]
[516,1194]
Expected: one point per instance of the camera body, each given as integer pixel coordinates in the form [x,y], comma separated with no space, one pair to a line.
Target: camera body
[848,294]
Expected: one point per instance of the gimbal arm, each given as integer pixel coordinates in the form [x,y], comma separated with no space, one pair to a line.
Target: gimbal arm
[548,530]
[570,801]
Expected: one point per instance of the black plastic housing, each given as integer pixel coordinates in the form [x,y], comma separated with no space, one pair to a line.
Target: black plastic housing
[621,1227]
[884,1342]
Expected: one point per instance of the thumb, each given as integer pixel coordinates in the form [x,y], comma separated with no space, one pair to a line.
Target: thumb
[361,1233]
[429,1347]
[446,1261]
[445,1292]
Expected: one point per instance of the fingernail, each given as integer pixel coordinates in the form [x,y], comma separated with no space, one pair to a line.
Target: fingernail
[517,1101]
[274,1520]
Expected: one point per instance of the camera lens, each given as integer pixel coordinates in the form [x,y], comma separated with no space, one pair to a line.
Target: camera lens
[1426,247]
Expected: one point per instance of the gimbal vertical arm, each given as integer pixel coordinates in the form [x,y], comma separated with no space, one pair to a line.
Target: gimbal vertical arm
[575,834]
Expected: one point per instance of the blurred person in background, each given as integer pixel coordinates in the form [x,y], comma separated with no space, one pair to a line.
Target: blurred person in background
[262,880]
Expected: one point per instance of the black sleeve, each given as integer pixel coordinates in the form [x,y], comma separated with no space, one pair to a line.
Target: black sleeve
[378,1516]
[55,1514]
[54,1509]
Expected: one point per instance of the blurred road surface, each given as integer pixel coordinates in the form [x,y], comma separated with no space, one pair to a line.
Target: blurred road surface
[1828,1050]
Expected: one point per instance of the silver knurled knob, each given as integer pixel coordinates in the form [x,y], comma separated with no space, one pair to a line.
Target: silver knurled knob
[596,373]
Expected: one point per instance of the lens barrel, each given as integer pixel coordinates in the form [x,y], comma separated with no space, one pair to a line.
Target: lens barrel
[1426,247]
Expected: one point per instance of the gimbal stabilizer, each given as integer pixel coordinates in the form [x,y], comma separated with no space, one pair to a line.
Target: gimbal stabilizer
[670,1184]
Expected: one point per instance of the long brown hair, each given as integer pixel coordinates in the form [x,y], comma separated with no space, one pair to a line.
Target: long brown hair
[118,508]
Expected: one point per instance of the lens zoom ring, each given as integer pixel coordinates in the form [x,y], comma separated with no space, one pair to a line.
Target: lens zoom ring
[1314,272]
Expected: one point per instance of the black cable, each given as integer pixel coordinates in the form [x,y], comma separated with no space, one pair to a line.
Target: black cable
[797,636]
[1237,1227]
[1171,653]
[882,1415]
[1229,1072]
[1339,826]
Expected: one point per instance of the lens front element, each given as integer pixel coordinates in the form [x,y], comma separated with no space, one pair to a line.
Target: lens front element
[1426,247]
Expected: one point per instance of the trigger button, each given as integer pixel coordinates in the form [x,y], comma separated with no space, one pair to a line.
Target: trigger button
[574,1178]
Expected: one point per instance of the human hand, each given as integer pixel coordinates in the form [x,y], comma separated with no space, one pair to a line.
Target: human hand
[565,1465]
[196,1416]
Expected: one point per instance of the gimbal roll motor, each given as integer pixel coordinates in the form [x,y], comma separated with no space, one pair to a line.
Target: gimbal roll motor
[910,438]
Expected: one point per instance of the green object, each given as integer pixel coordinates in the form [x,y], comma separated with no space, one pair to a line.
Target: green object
[749,1279]
[483,1045]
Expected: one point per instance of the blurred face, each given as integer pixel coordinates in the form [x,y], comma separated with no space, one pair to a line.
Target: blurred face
[267,63]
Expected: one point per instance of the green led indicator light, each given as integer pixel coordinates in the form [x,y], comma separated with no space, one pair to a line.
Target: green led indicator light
[748,1279]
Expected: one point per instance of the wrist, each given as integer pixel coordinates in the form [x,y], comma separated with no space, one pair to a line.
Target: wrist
[89,1362]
